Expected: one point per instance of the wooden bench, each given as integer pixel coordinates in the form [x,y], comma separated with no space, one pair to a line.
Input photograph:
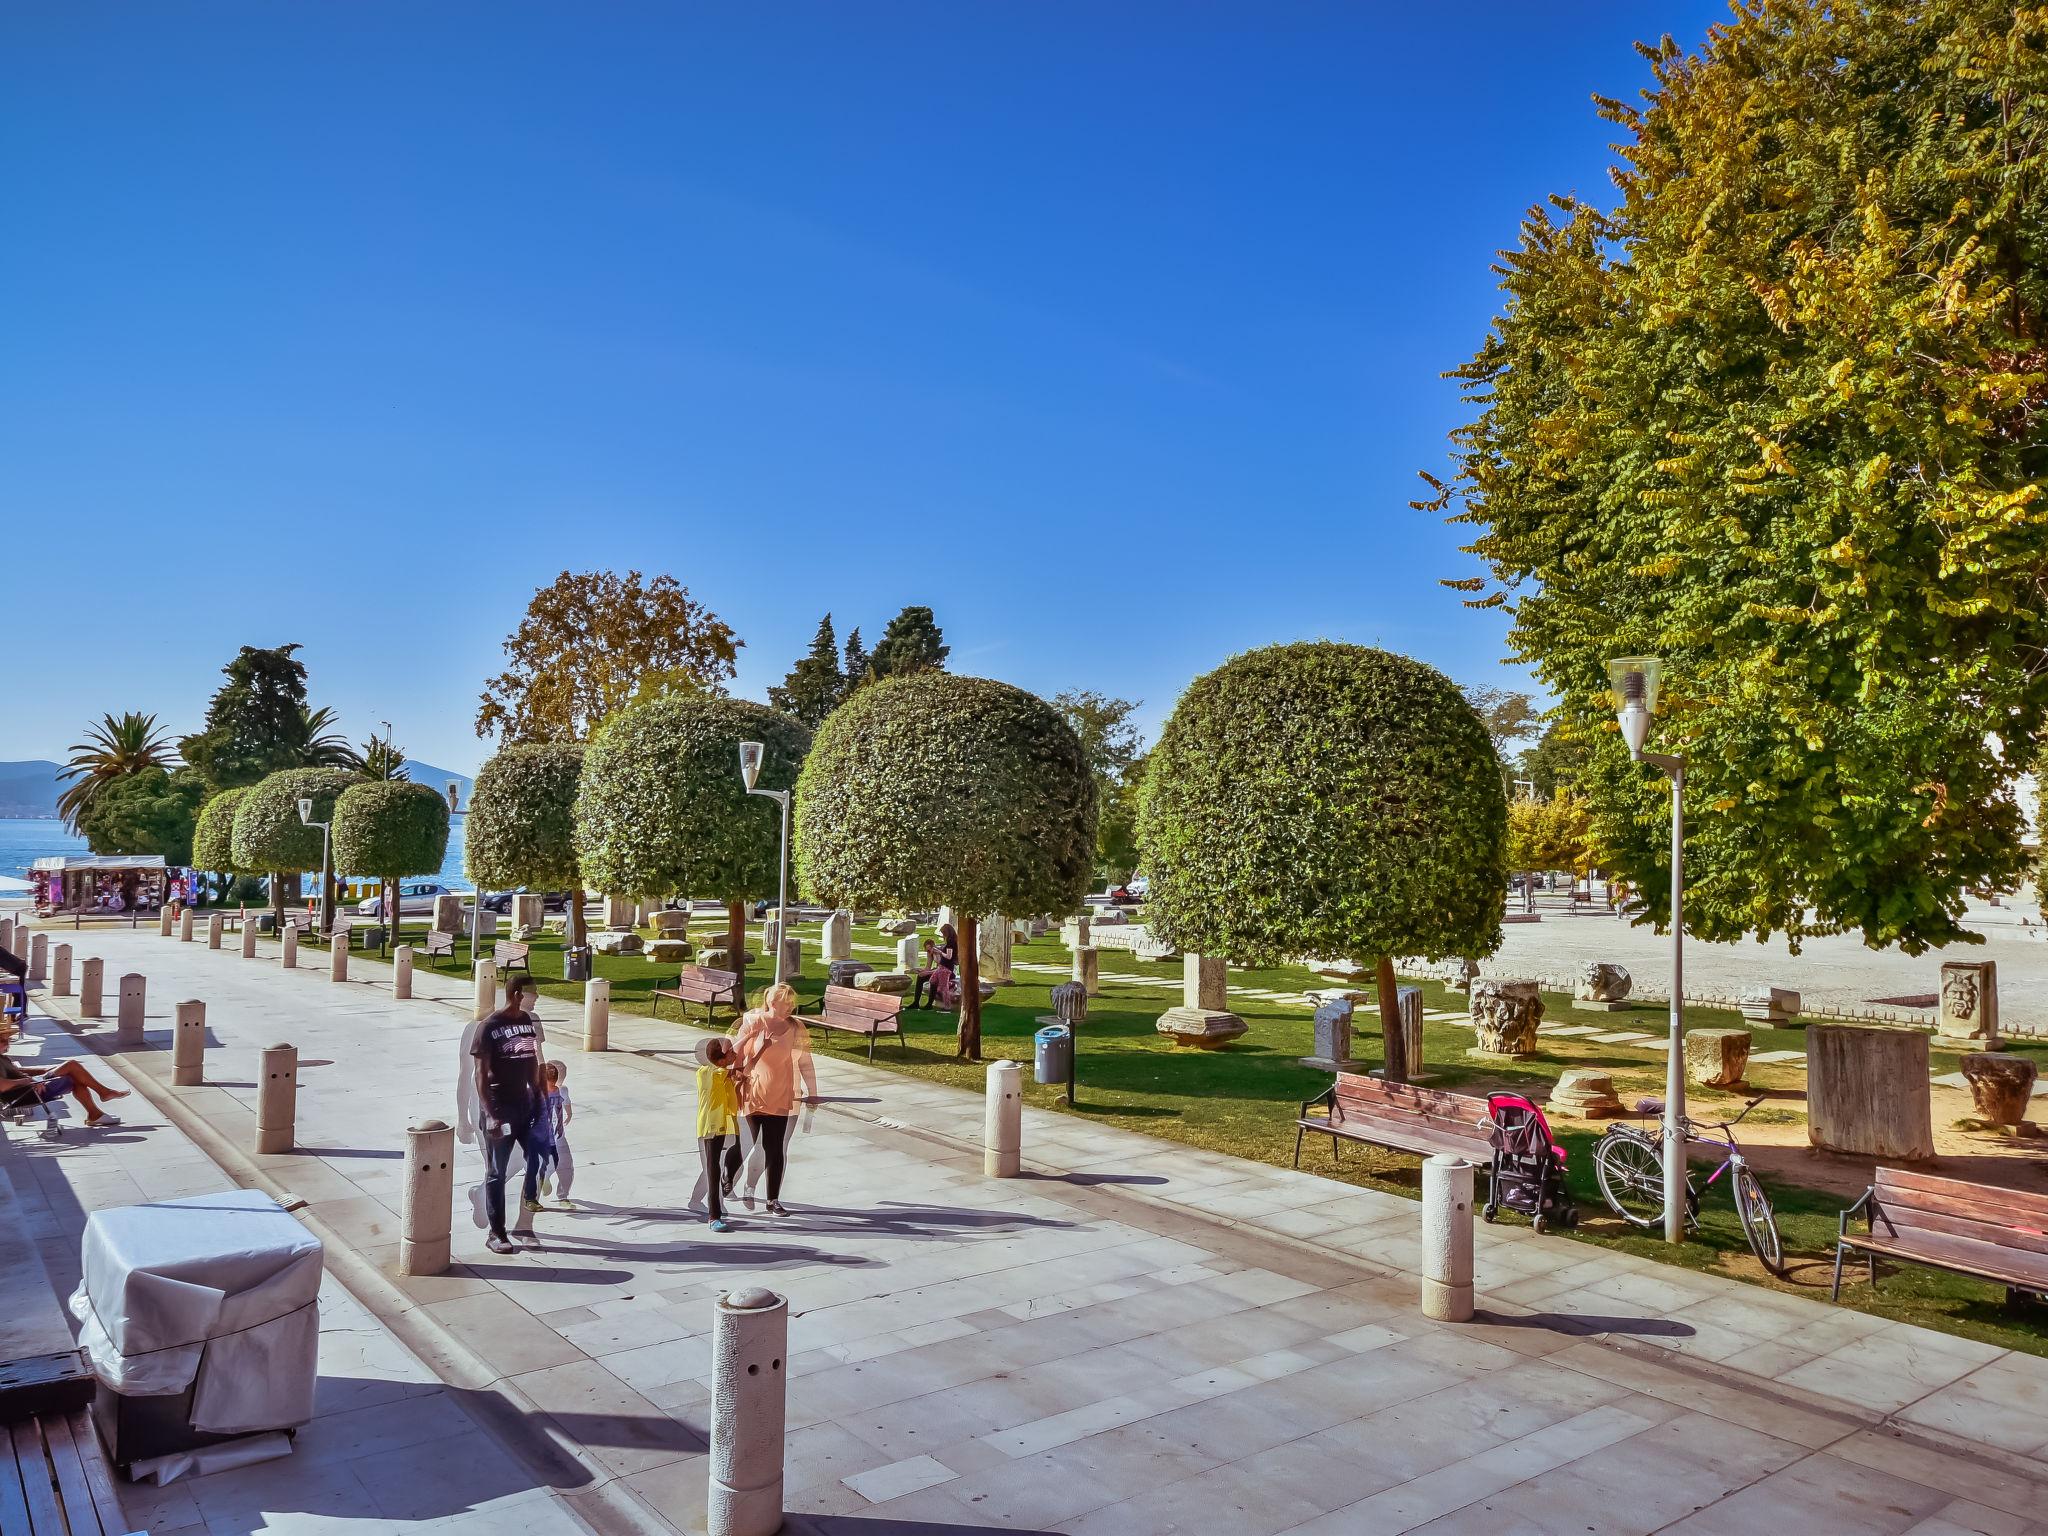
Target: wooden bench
[861,1013]
[440,942]
[709,988]
[510,956]
[1397,1115]
[1968,1229]
[54,1479]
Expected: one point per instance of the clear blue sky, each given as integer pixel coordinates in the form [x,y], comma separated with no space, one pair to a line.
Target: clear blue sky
[1111,331]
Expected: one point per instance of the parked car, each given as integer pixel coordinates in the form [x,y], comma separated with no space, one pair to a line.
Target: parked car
[415,899]
[550,901]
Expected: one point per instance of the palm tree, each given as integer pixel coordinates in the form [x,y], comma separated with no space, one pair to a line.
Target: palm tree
[112,749]
[320,745]
[383,759]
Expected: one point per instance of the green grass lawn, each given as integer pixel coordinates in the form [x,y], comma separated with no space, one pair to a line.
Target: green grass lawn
[1243,1101]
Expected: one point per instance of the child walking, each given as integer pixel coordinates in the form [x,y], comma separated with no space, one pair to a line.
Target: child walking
[718,1121]
[558,1163]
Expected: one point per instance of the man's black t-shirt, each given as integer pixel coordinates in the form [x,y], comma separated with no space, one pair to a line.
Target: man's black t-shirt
[508,1044]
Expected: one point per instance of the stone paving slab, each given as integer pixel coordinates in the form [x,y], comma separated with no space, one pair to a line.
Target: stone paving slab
[1135,1336]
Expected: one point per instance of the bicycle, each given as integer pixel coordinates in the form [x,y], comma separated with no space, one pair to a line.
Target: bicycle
[1630,1166]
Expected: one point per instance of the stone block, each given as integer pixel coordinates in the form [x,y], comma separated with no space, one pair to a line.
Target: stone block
[1604,986]
[716,957]
[992,948]
[2000,1086]
[1333,1025]
[619,911]
[1200,1027]
[1969,1003]
[1770,1005]
[1716,1058]
[448,914]
[1070,1004]
[1342,970]
[1507,1014]
[842,972]
[671,925]
[895,983]
[526,912]
[1586,1093]
[1867,1091]
[898,927]
[617,941]
[666,951]
[909,954]
[1088,968]
[838,936]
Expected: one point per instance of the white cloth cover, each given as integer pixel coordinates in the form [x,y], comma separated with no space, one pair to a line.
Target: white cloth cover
[222,1289]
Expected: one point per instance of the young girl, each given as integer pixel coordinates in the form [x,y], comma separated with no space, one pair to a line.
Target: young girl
[551,1132]
[718,1120]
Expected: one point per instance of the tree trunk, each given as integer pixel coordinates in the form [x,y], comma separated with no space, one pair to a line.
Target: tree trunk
[391,913]
[969,929]
[277,901]
[736,943]
[1395,1059]
[575,927]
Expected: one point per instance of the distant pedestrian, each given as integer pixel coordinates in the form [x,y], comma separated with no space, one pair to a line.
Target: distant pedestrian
[551,1131]
[510,1092]
[718,1126]
[774,1059]
[943,974]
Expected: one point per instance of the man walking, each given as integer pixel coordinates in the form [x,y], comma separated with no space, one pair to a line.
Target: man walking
[509,1094]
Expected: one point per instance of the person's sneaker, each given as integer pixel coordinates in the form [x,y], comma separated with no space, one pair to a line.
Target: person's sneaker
[721,1225]
[775,1208]
[563,1204]
[500,1244]
[531,1205]
[526,1237]
[477,1212]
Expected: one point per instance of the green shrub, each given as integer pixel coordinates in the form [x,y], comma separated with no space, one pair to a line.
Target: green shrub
[388,829]
[522,819]
[213,841]
[268,835]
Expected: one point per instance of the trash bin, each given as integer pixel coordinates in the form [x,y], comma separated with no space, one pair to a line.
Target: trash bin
[201,1319]
[366,936]
[576,963]
[1053,1059]
[266,924]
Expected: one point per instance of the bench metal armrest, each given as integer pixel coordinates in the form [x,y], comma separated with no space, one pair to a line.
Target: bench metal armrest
[1327,1098]
[1863,1206]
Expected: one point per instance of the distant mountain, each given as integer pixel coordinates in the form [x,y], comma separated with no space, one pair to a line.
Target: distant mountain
[31,788]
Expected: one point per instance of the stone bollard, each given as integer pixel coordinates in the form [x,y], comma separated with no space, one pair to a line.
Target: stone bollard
[163,920]
[128,1017]
[486,989]
[597,1014]
[185,926]
[1002,1126]
[1447,1238]
[216,925]
[288,957]
[188,1045]
[38,959]
[749,1405]
[277,1099]
[248,937]
[90,975]
[60,980]
[401,971]
[337,956]
[1088,968]
[428,1200]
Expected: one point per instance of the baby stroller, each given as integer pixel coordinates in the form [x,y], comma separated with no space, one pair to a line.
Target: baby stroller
[1528,1166]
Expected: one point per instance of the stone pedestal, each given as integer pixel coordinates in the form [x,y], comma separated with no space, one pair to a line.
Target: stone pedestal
[1333,1024]
[909,955]
[838,936]
[993,949]
[1586,1093]
[1770,1005]
[1088,969]
[448,914]
[2000,1086]
[1604,987]
[1716,1058]
[1506,1013]
[526,911]
[674,925]
[1205,983]
[1867,1091]
[1969,1004]
[1202,1028]
[619,912]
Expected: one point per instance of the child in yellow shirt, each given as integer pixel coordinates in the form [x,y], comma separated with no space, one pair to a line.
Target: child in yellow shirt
[718,1117]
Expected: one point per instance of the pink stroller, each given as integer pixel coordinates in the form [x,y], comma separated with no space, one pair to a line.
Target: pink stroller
[1528,1165]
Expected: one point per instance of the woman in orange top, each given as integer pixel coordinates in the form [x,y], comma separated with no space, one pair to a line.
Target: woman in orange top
[774,1057]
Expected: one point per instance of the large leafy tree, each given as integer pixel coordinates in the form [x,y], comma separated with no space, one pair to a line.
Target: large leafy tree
[815,685]
[390,828]
[1557,761]
[1326,799]
[213,837]
[1549,834]
[151,811]
[113,750]
[319,743]
[522,823]
[931,790]
[1115,754]
[268,834]
[382,758]
[1509,716]
[586,643]
[661,809]
[911,643]
[1777,417]
[256,722]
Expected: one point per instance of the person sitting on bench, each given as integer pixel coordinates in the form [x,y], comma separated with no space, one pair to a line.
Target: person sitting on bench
[22,1086]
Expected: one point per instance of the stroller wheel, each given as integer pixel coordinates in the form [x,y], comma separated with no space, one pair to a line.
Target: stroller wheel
[1540,1224]
[1488,1212]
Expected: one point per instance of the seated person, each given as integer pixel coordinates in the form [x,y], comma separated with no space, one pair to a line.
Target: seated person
[21,1086]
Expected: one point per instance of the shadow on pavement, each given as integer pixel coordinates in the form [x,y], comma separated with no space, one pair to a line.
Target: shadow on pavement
[1592,1322]
[861,1525]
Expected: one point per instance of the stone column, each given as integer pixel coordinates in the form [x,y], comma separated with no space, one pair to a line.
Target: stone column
[401,972]
[792,958]
[486,989]
[1969,1004]
[277,1099]
[909,956]
[1447,1238]
[448,914]
[1867,1091]
[1507,1014]
[2000,1086]
[771,935]
[426,1220]
[1088,968]
[128,1015]
[90,974]
[749,1412]
[597,1014]
[288,957]
[60,980]
[618,912]
[337,956]
[992,950]
[216,925]
[38,958]
[163,920]
[1333,1026]
[185,926]
[1002,1126]
[188,1045]
[248,937]
[1074,932]
[1204,1019]
[838,937]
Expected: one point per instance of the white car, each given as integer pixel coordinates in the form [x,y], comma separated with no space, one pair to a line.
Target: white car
[415,899]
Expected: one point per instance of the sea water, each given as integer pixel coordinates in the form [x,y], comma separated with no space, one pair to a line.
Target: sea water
[23,840]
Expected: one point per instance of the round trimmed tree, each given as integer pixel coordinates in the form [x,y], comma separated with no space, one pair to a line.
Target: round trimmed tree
[1325,799]
[522,823]
[933,790]
[661,809]
[213,838]
[390,828]
[268,834]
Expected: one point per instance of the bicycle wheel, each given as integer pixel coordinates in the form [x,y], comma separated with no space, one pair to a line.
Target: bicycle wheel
[1758,1224]
[1631,1176]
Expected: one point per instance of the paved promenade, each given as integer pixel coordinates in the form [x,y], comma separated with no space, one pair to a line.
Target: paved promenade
[1136,1337]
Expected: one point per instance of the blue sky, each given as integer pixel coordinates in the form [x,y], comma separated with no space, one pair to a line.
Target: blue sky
[1112,332]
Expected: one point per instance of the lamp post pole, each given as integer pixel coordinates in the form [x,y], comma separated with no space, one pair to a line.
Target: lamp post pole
[750,773]
[326,864]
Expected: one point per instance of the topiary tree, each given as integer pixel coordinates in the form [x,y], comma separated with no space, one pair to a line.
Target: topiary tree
[390,828]
[269,836]
[213,838]
[522,823]
[1326,799]
[661,809]
[930,790]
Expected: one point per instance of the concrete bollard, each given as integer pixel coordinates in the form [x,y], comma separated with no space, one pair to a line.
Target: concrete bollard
[401,971]
[128,1017]
[185,926]
[188,1045]
[428,1201]
[749,1411]
[163,920]
[288,957]
[38,959]
[1002,1126]
[597,1014]
[277,1099]
[90,976]
[1088,968]
[216,925]
[337,956]
[486,989]
[1447,1238]
[60,980]
[248,937]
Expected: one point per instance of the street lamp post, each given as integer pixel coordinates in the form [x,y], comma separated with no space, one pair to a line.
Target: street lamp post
[476,904]
[1636,680]
[750,771]
[326,863]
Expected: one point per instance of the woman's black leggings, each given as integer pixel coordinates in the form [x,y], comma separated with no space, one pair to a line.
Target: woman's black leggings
[771,1132]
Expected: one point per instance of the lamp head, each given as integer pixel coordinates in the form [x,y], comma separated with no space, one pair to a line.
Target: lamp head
[750,762]
[306,809]
[1636,680]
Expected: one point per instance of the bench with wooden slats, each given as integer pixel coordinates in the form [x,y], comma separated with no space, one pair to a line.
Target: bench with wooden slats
[861,1013]
[440,942]
[54,1479]
[510,955]
[1397,1115]
[708,988]
[1968,1229]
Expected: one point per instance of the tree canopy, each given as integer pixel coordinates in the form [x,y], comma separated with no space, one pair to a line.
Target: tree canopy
[113,749]
[1548,834]
[390,828]
[256,720]
[911,643]
[1775,417]
[815,685]
[929,789]
[213,838]
[585,645]
[268,834]
[1115,755]
[153,810]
